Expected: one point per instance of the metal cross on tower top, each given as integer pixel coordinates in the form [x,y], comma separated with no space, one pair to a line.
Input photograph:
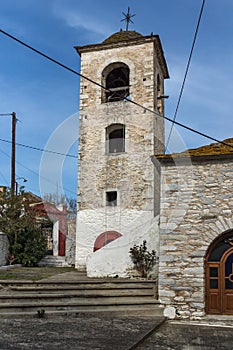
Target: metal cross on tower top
[127,18]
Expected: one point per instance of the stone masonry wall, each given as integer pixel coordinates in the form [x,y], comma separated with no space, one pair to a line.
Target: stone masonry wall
[96,171]
[130,173]
[196,207]
[4,249]
[71,242]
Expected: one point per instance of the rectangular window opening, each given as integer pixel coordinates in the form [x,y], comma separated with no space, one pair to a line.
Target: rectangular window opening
[111,198]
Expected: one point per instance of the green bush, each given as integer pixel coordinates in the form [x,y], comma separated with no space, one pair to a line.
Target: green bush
[142,259]
[27,244]
[30,247]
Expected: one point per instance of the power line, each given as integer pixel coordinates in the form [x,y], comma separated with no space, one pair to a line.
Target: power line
[36,173]
[186,72]
[182,125]
[41,149]
[52,59]
[103,87]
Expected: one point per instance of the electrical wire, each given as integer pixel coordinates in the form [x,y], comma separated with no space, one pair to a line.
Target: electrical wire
[35,173]
[52,59]
[40,149]
[186,73]
[126,98]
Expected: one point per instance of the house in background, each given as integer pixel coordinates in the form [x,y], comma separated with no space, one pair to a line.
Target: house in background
[55,225]
[59,232]
[2,189]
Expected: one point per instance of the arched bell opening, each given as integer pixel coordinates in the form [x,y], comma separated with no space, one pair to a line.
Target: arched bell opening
[115,78]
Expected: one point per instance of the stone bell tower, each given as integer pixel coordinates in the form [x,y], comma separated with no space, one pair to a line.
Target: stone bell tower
[116,180]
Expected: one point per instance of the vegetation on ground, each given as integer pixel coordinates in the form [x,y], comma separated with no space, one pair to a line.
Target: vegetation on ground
[142,258]
[27,244]
[32,273]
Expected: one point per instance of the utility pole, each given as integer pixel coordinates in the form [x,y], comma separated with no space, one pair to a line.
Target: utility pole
[13,133]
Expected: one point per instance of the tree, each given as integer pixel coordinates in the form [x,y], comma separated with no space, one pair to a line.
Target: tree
[27,245]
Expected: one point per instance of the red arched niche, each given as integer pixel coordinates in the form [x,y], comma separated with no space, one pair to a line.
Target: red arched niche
[105,238]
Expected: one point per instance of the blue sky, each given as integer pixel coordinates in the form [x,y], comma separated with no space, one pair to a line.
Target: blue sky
[45,96]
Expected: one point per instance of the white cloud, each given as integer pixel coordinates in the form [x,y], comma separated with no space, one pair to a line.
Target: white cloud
[81,20]
[205,87]
[206,100]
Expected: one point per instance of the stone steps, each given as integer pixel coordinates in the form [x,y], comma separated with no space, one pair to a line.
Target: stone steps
[77,294]
[53,261]
[120,311]
[80,304]
[81,285]
[107,296]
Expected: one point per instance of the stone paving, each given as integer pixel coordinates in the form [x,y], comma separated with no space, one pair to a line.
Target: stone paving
[88,332]
[189,336]
[97,333]
[81,333]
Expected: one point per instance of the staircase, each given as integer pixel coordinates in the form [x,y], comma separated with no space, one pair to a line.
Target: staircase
[53,261]
[106,297]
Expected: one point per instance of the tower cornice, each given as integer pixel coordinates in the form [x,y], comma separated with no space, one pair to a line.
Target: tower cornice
[125,41]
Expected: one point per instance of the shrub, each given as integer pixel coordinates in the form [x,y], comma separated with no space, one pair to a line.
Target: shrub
[142,259]
[30,246]
[27,245]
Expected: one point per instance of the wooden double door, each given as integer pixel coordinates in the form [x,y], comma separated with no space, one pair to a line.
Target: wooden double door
[219,278]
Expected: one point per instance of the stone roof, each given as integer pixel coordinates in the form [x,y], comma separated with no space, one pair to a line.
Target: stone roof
[214,149]
[122,35]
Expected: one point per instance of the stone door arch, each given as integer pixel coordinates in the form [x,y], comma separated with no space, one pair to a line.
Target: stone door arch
[219,276]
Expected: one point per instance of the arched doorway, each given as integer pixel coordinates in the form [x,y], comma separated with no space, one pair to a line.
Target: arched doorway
[219,276]
[105,238]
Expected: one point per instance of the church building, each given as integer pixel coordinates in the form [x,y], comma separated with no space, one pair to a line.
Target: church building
[130,191]
[196,231]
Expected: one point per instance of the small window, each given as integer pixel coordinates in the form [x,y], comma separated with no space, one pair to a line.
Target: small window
[111,198]
[116,80]
[115,138]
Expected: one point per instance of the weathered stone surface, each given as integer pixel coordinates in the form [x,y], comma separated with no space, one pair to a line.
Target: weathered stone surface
[4,246]
[83,333]
[186,335]
[131,172]
[198,211]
